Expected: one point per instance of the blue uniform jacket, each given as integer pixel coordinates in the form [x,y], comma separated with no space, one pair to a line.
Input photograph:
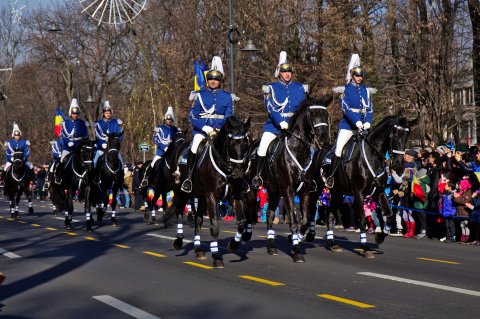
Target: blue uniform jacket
[282,102]
[73,131]
[56,149]
[20,145]
[356,106]
[162,138]
[104,127]
[211,108]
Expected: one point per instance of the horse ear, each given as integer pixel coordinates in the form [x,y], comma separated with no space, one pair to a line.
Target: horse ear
[246,124]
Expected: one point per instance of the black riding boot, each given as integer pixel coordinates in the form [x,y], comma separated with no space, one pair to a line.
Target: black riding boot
[333,168]
[187,183]
[58,173]
[257,180]
[146,177]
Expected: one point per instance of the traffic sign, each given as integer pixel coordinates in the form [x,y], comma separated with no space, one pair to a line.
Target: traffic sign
[143,147]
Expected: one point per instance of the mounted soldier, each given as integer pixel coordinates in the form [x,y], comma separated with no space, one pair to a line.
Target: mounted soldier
[56,153]
[211,108]
[17,144]
[103,127]
[162,138]
[282,99]
[73,131]
[357,111]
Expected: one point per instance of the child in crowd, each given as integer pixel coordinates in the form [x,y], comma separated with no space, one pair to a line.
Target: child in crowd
[474,219]
[448,211]
[369,207]
[461,198]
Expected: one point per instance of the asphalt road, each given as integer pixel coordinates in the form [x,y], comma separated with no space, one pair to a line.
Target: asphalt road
[131,271]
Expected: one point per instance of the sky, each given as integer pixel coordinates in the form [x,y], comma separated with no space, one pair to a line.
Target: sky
[31,4]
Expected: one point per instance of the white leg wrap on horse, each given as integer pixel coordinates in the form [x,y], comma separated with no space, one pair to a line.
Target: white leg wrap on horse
[294,239]
[312,226]
[113,213]
[66,214]
[238,237]
[363,238]
[153,212]
[179,228]
[270,234]
[267,138]
[342,139]
[330,234]
[196,241]
[197,139]
[87,216]
[249,228]
[30,204]
[214,247]
[386,229]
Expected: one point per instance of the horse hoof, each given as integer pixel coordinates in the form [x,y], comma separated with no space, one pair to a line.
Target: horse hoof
[310,237]
[152,222]
[178,243]
[380,238]
[246,237]
[232,246]
[272,251]
[114,222]
[298,258]
[200,255]
[218,263]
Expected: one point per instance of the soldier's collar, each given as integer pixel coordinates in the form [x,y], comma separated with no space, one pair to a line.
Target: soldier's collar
[285,83]
[214,90]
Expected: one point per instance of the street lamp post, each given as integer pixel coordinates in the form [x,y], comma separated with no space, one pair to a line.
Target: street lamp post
[233,38]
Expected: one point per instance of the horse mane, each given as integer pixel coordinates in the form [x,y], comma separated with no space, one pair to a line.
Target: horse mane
[300,112]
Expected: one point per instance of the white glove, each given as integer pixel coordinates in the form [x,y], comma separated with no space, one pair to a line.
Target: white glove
[70,144]
[359,125]
[284,125]
[156,130]
[266,89]
[104,146]
[207,129]
[366,126]
[305,87]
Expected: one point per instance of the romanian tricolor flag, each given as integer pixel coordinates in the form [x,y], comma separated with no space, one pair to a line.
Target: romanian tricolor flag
[150,194]
[200,70]
[417,189]
[59,118]
[110,197]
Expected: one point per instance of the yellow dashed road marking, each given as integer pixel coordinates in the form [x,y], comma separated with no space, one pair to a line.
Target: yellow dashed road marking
[36,225]
[347,301]
[263,281]
[51,228]
[22,222]
[440,261]
[191,263]
[229,232]
[121,246]
[70,233]
[91,238]
[153,254]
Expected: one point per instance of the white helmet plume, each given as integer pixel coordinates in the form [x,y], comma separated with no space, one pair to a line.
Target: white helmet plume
[282,59]
[169,114]
[217,64]
[74,107]
[354,62]
[16,129]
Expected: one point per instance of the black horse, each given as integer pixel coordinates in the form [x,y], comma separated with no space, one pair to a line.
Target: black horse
[160,178]
[363,173]
[218,174]
[107,179]
[75,175]
[289,172]
[17,182]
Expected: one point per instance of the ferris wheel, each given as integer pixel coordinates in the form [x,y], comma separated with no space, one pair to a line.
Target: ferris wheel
[114,12]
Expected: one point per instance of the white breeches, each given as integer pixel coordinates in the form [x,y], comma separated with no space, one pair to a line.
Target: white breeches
[267,138]
[64,153]
[197,139]
[342,139]
[154,160]
[7,165]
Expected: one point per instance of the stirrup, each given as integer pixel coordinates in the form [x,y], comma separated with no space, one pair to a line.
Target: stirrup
[58,181]
[46,185]
[187,186]
[257,182]
[144,183]
[329,181]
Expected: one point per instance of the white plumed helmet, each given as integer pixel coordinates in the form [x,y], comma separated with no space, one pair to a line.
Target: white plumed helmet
[74,108]
[16,129]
